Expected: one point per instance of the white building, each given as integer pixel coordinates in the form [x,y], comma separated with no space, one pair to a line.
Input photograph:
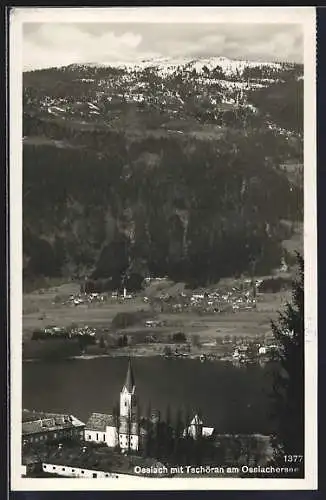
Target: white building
[84,472]
[197,429]
[89,463]
[121,430]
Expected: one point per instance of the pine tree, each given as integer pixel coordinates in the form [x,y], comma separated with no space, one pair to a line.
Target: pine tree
[200,443]
[168,415]
[178,430]
[167,438]
[288,390]
[187,420]
[157,435]
[102,342]
[149,428]
[187,439]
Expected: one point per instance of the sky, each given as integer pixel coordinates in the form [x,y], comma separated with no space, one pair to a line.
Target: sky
[48,44]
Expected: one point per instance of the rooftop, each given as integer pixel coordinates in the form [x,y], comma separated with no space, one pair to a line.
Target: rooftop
[100,421]
[196,421]
[98,458]
[130,380]
[35,422]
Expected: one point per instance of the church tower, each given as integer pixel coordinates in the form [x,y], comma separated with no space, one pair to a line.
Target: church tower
[128,400]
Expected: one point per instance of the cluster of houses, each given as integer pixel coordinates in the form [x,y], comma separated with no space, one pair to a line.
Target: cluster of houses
[125,295]
[85,298]
[63,332]
[241,298]
[254,352]
[235,299]
[218,301]
[154,323]
[235,350]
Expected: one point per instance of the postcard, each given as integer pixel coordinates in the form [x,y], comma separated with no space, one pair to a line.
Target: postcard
[163,262]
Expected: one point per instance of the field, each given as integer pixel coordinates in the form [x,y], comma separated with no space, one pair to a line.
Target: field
[44,308]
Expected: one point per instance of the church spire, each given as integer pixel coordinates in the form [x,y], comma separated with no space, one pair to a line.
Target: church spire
[130,380]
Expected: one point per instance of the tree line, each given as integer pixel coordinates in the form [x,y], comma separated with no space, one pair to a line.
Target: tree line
[174,442]
[204,211]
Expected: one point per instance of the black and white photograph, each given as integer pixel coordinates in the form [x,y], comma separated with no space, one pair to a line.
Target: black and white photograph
[163,248]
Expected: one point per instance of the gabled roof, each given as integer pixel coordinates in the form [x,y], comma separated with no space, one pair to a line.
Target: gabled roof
[196,421]
[40,422]
[99,422]
[100,459]
[130,380]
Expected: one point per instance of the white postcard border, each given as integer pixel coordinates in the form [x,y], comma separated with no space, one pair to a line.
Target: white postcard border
[303,15]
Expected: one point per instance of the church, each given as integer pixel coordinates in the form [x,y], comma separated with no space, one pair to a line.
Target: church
[123,430]
[126,430]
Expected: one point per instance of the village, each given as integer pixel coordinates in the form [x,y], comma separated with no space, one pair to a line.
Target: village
[173,323]
[125,444]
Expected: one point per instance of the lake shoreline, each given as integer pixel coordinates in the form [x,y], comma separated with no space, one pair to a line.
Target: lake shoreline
[155,350]
[88,357]
[219,390]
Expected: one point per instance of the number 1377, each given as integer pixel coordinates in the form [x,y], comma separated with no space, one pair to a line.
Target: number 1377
[293,458]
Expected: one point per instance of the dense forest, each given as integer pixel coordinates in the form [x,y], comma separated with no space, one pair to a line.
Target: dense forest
[113,193]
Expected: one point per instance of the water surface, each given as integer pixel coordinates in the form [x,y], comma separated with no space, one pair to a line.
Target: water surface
[231,399]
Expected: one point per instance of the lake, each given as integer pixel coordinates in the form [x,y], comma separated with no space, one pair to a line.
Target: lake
[231,399]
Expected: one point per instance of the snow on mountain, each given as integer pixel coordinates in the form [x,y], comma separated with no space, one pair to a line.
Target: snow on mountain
[169,65]
[229,66]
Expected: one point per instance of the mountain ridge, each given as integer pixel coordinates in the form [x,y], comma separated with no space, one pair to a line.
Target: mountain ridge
[229,65]
[173,174]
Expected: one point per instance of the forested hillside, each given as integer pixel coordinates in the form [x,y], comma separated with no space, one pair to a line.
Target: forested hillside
[179,173]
